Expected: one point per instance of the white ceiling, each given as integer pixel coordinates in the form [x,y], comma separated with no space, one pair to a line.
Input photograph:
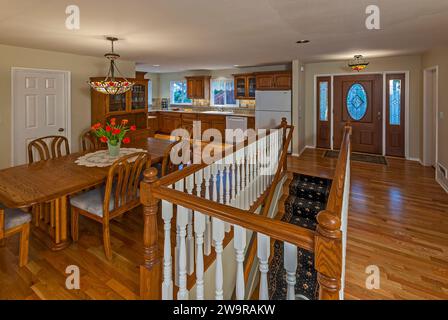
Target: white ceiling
[217,34]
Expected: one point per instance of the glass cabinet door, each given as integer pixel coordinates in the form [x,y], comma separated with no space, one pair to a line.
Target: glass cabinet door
[117,102]
[240,87]
[138,97]
[252,84]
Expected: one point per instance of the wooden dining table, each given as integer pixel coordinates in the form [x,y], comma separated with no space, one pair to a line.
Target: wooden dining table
[51,182]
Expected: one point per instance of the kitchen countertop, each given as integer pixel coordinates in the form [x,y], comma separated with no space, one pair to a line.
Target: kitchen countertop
[207,112]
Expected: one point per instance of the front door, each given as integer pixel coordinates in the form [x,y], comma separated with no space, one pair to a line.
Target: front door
[358,101]
[39,108]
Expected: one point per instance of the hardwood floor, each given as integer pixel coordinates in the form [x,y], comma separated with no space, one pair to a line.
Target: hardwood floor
[397,221]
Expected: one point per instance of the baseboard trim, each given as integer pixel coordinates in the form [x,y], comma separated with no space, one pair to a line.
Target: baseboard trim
[414,159]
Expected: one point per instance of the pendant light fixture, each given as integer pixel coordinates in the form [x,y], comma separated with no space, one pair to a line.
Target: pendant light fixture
[358,63]
[111,85]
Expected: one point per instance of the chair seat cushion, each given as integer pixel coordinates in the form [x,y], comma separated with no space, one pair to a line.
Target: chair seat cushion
[92,201]
[15,218]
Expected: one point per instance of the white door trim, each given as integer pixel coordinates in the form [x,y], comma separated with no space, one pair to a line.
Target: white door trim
[67,103]
[384,73]
[425,115]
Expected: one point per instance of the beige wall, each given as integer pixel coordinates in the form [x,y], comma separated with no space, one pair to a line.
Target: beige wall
[155,81]
[413,64]
[439,57]
[81,68]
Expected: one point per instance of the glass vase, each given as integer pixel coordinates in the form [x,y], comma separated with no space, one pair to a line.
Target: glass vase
[114,151]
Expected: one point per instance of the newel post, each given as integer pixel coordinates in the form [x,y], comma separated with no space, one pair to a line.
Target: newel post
[284,127]
[150,271]
[328,255]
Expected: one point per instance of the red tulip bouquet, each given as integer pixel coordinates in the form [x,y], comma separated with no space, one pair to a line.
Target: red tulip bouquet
[113,135]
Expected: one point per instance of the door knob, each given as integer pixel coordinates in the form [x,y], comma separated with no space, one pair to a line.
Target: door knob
[379,115]
[61,130]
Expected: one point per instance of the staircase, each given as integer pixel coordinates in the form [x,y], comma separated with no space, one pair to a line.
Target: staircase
[304,198]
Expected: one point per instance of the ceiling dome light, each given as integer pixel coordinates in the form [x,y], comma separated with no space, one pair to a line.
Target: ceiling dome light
[110,85]
[358,63]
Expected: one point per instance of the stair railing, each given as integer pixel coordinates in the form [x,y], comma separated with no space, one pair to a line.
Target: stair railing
[223,193]
[331,232]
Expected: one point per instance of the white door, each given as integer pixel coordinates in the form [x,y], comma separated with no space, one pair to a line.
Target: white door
[40,108]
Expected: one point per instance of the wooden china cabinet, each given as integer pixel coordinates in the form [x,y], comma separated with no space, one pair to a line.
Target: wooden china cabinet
[132,105]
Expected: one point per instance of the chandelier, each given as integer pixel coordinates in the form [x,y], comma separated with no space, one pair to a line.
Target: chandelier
[110,85]
[358,63]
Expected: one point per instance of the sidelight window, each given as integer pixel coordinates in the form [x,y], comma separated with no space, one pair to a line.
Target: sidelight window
[323,101]
[395,102]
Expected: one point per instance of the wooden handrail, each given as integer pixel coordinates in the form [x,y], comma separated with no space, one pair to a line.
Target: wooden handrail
[328,242]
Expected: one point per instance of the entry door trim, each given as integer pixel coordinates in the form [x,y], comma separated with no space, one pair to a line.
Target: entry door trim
[67,103]
[384,73]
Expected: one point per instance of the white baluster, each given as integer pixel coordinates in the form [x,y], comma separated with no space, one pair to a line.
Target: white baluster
[264,251]
[218,237]
[228,176]
[234,164]
[221,181]
[199,228]
[240,246]
[290,261]
[182,221]
[190,238]
[208,225]
[167,285]
[247,182]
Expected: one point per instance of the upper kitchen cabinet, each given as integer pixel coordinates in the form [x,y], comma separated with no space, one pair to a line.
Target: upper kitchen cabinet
[245,86]
[198,87]
[275,80]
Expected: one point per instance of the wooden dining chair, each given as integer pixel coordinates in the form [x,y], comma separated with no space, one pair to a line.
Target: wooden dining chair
[47,148]
[14,221]
[120,195]
[90,142]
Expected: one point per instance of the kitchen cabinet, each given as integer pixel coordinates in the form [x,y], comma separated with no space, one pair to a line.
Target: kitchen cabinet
[198,87]
[213,121]
[276,80]
[251,123]
[245,86]
[169,121]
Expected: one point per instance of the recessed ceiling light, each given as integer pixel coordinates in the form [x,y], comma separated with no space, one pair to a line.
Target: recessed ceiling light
[156,65]
[236,65]
[303,41]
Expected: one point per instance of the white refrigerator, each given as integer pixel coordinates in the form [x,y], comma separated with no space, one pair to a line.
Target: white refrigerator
[271,107]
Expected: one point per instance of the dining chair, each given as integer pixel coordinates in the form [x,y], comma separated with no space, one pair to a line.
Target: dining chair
[14,221]
[47,148]
[119,195]
[90,142]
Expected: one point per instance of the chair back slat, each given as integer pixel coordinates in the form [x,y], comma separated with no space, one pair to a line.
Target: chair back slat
[48,148]
[90,142]
[123,181]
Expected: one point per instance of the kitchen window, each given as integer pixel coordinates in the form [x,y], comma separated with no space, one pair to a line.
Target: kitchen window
[223,93]
[178,92]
